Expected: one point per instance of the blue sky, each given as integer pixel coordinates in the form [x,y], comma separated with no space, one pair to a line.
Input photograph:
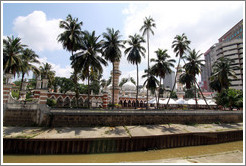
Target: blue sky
[38,26]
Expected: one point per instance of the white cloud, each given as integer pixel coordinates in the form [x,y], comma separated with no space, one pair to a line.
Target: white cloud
[4,37]
[202,22]
[37,31]
[133,73]
[60,71]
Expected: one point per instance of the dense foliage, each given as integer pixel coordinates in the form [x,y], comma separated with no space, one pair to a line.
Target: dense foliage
[230,98]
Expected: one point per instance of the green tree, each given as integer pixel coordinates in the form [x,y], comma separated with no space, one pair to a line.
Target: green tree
[179,45]
[65,84]
[46,72]
[12,50]
[173,95]
[146,28]
[223,73]
[111,50]
[151,82]
[70,39]
[87,60]
[134,54]
[230,98]
[162,66]
[193,68]
[29,58]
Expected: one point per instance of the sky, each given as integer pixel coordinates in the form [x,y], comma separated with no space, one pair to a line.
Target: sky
[37,24]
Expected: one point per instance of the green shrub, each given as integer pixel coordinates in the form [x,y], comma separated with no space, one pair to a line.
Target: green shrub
[15,94]
[230,98]
[51,102]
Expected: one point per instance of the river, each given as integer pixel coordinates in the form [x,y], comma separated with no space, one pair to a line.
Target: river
[126,157]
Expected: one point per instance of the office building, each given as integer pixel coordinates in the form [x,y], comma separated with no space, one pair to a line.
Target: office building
[230,46]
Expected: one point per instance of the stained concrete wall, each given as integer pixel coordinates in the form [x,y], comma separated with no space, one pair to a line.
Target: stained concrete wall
[41,115]
[120,144]
[61,120]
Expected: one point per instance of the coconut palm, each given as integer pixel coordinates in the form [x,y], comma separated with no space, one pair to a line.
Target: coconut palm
[193,67]
[87,60]
[111,51]
[70,40]
[29,58]
[162,66]
[151,81]
[12,50]
[223,73]
[134,54]
[47,73]
[179,45]
[146,28]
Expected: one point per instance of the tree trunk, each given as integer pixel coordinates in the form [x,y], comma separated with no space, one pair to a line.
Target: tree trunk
[202,94]
[76,86]
[159,95]
[148,68]
[88,88]
[22,80]
[195,94]
[113,89]
[137,90]
[174,83]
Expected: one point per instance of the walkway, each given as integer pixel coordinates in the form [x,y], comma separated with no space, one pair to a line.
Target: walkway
[118,131]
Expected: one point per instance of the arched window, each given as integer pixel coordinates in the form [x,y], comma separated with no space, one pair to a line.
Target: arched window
[73,103]
[59,102]
[125,103]
[67,102]
[80,102]
[141,103]
[129,103]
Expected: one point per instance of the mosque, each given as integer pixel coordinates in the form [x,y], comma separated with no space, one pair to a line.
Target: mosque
[124,97]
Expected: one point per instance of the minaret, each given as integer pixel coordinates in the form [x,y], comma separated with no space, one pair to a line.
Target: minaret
[117,74]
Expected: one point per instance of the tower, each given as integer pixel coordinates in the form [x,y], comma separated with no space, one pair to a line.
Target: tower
[117,74]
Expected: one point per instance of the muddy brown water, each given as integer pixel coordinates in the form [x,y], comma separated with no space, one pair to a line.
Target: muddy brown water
[126,157]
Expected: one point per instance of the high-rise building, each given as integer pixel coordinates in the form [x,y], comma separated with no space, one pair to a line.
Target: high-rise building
[206,70]
[230,46]
[168,81]
[234,51]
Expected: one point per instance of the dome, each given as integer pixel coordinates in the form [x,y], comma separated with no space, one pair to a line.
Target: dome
[129,86]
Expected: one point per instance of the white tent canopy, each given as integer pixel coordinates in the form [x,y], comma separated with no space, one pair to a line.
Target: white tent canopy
[191,102]
[210,102]
[152,101]
[201,102]
[182,101]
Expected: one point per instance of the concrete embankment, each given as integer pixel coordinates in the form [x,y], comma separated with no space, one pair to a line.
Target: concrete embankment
[72,140]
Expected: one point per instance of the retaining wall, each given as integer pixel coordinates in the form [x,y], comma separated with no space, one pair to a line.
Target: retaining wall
[121,144]
[62,119]
[71,118]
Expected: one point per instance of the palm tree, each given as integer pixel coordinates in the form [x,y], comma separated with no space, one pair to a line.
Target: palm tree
[135,51]
[46,72]
[162,66]
[111,50]
[87,60]
[12,49]
[146,28]
[193,67]
[223,73]
[70,40]
[151,82]
[180,45]
[29,57]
